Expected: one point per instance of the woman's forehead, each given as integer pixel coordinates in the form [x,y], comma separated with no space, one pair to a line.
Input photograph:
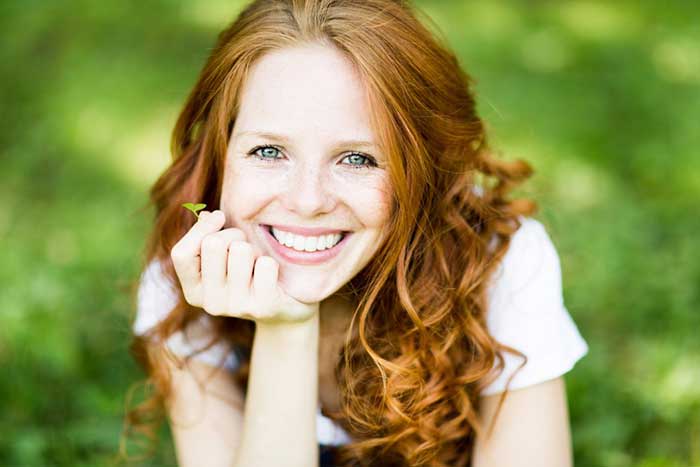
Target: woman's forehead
[305,89]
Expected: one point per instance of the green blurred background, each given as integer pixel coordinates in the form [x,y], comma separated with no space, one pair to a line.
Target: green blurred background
[603,98]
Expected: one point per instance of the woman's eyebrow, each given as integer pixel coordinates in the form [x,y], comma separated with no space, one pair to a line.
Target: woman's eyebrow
[286,140]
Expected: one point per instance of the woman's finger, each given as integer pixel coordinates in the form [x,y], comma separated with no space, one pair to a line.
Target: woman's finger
[240,268]
[265,278]
[185,254]
[213,273]
[214,264]
[215,253]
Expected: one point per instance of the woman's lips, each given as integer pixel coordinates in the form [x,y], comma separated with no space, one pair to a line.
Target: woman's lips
[291,255]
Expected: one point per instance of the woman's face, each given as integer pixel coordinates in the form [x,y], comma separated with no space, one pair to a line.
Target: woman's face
[302,159]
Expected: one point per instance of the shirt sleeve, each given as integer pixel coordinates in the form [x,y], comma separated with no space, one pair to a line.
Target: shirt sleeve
[527,312]
[156,298]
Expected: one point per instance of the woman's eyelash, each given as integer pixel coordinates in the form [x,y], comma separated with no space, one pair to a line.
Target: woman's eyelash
[370,161]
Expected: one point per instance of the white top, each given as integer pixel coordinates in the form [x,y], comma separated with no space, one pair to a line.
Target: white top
[526,311]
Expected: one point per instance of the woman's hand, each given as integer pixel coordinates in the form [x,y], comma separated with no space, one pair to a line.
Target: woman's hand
[218,271]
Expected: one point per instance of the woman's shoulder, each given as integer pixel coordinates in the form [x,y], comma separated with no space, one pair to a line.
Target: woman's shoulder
[530,255]
[156,297]
[526,310]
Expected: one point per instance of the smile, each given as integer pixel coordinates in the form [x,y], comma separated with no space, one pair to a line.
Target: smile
[302,249]
[304,243]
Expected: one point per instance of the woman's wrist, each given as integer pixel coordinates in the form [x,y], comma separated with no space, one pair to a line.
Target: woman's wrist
[289,331]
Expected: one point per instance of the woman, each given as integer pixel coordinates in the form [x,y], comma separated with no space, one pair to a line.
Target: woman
[362,288]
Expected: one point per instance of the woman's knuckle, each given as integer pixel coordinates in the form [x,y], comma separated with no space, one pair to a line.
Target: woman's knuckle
[241,247]
[191,297]
[271,263]
[176,253]
[235,305]
[211,306]
[212,242]
[237,233]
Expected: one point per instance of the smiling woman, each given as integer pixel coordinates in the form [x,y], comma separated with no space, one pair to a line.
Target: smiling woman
[308,99]
[356,297]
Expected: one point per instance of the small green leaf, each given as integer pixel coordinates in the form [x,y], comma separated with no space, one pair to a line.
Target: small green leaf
[194,208]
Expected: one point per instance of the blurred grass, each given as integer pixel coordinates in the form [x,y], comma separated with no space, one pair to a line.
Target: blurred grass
[603,98]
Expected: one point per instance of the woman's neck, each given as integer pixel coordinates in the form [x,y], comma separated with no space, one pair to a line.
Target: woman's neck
[335,315]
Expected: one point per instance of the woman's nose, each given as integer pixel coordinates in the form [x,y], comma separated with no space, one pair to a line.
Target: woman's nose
[308,192]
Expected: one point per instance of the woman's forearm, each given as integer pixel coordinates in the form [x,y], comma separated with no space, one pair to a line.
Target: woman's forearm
[279,427]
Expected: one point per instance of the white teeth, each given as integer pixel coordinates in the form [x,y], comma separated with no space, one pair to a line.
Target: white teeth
[299,243]
[309,244]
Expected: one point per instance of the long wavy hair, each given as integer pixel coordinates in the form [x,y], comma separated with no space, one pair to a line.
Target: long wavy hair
[417,352]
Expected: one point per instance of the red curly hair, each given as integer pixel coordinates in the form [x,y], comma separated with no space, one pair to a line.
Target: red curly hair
[418,351]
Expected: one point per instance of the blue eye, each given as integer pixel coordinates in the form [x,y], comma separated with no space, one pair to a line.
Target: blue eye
[358,157]
[267,154]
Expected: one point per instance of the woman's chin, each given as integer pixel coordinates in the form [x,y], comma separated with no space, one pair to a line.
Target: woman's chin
[306,292]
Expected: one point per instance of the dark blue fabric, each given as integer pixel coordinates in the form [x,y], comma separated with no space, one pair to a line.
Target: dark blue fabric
[327,455]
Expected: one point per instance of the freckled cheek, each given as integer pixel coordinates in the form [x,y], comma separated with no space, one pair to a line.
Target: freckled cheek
[370,206]
[243,196]
[368,196]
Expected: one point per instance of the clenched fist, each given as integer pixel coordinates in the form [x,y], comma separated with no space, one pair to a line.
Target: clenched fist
[218,271]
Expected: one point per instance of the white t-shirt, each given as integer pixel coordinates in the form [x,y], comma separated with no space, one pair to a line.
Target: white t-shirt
[526,311]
